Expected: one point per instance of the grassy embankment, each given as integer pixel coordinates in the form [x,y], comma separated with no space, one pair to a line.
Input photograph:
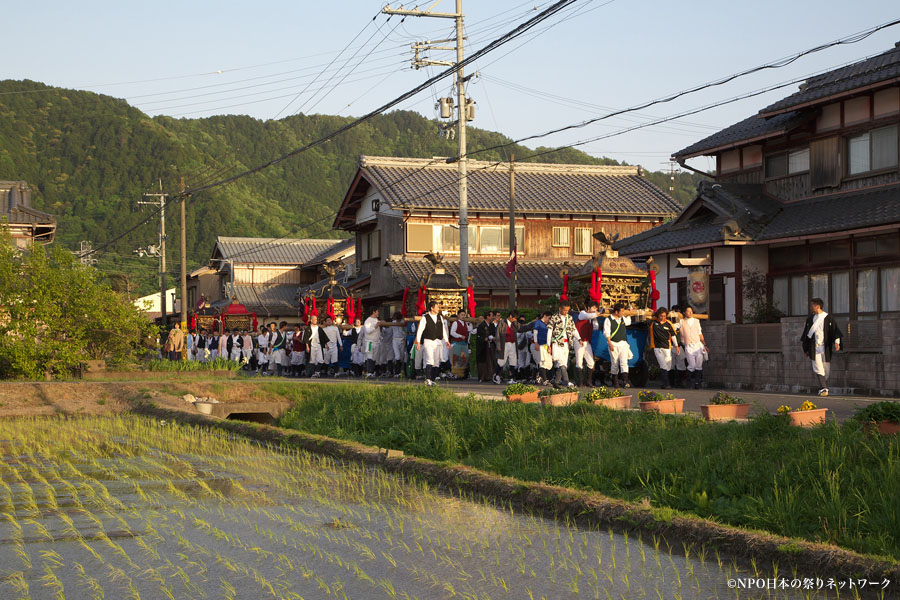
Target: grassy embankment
[830,484]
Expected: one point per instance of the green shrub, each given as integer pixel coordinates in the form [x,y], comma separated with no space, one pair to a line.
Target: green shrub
[724,398]
[601,393]
[189,366]
[880,411]
[514,389]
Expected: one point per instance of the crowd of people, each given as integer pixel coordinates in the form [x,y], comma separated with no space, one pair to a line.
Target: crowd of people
[436,346]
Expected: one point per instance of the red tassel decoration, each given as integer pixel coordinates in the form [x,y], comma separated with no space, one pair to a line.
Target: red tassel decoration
[565,290]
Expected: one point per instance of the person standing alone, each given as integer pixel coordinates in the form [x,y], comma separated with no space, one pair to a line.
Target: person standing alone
[431,338]
[820,336]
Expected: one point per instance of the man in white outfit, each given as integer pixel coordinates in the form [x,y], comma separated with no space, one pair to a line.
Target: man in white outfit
[431,339]
[694,346]
[562,335]
[584,353]
[236,346]
[372,333]
[820,336]
[333,347]
[615,331]
[262,351]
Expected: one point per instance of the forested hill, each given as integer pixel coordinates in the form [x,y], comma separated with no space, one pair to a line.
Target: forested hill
[90,157]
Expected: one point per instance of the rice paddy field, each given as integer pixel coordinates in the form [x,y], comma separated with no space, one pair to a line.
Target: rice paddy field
[131,507]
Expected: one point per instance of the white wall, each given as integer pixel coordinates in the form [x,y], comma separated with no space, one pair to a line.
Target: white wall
[365,212]
[723,260]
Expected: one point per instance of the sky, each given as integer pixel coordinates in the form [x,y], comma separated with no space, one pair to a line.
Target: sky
[194,59]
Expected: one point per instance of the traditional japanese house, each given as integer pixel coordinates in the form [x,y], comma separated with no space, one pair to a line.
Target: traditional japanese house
[401,209]
[806,193]
[26,225]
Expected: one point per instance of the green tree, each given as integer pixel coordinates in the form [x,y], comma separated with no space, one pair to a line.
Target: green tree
[55,314]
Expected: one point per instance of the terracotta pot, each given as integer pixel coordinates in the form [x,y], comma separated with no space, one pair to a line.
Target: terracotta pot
[724,412]
[617,403]
[664,407]
[526,398]
[807,418]
[888,428]
[560,399]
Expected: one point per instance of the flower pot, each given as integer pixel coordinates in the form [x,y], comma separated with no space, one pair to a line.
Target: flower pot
[617,403]
[560,399]
[888,428]
[807,418]
[527,397]
[665,407]
[724,412]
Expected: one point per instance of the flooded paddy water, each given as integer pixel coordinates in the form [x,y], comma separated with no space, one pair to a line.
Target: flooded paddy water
[128,507]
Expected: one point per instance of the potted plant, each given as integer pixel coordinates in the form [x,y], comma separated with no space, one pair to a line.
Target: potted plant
[723,407]
[663,404]
[520,392]
[610,398]
[883,416]
[806,416]
[558,397]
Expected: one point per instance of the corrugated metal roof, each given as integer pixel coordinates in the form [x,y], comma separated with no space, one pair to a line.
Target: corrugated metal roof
[280,251]
[573,189]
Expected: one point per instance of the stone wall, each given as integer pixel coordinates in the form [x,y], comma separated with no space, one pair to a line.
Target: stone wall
[863,373]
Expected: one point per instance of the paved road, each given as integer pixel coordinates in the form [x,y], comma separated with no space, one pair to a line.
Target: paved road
[839,407]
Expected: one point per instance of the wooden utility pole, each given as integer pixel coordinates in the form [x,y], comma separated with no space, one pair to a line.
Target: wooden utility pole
[513,280]
[183,261]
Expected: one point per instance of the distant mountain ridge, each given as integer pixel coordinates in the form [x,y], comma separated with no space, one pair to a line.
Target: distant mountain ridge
[89,157]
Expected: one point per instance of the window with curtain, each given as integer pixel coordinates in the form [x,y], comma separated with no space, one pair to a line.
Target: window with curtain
[799,295]
[780,294]
[520,239]
[840,293]
[890,289]
[798,161]
[858,149]
[873,150]
[866,291]
[583,239]
[561,237]
[491,240]
[819,285]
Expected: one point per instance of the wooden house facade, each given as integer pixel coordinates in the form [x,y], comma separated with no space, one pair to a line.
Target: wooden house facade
[400,209]
[806,193]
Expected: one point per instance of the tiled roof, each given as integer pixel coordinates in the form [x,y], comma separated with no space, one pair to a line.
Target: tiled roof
[840,212]
[746,206]
[29,216]
[548,188]
[279,251]
[486,274]
[761,218]
[751,128]
[866,72]
[278,299]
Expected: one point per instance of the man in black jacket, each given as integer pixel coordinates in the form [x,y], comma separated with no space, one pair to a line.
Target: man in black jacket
[820,336]
[482,360]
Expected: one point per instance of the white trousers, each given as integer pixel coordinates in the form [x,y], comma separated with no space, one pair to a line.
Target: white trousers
[297,358]
[584,355]
[509,354]
[330,354]
[371,349]
[664,358]
[236,354]
[543,358]
[433,351]
[618,357]
[679,360]
[261,357]
[560,355]
[524,358]
[398,345]
[247,354]
[275,358]
[819,366]
[357,356]
[694,356]
[316,354]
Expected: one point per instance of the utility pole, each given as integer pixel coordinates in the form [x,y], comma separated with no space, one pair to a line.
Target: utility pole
[672,171]
[161,201]
[183,201]
[464,111]
[513,280]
